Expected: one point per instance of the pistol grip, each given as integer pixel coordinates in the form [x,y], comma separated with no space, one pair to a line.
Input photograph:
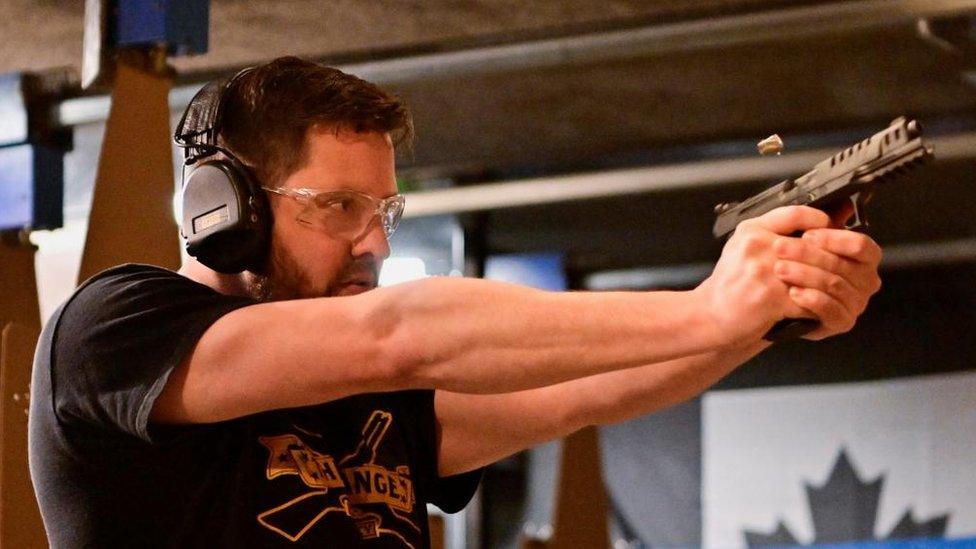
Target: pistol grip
[791,328]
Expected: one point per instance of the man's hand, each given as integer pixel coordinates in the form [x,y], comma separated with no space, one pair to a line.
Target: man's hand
[833,273]
[765,275]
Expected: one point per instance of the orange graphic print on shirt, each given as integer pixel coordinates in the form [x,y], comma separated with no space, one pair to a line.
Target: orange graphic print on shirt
[341,487]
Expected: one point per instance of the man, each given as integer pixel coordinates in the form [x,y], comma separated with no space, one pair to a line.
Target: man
[297,404]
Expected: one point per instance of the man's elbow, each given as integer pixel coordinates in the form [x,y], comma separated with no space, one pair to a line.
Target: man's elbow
[400,362]
[397,348]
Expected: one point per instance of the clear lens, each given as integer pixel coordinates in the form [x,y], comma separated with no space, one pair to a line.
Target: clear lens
[392,213]
[349,213]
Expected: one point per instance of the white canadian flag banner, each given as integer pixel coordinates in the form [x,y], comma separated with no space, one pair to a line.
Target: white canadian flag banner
[878,462]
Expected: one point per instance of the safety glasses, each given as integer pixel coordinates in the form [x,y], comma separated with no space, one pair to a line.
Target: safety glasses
[345,213]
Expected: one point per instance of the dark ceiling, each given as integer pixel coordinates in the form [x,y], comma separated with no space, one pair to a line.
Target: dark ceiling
[632,108]
[548,114]
[40,34]
[564,114]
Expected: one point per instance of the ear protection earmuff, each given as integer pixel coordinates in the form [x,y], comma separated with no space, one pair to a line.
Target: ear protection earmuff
[226,218]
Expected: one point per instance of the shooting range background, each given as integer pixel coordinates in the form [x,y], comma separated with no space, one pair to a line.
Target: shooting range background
[891,396]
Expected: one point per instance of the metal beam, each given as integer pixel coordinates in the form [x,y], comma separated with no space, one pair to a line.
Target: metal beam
[699,174]
[750,28]
[677,276]
[897,256]
[746,28]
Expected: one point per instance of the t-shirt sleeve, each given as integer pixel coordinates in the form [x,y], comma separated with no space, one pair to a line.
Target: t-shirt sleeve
[450,494]
[118,339]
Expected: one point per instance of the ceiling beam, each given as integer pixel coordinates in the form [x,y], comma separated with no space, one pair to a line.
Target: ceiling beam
[751,28]
[698,174]
[654,40]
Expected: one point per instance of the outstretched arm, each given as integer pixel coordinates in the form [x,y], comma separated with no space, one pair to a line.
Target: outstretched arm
[474,336]
[833,273]
[462,335]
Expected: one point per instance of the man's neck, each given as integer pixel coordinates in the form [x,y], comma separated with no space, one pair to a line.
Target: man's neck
[228,284]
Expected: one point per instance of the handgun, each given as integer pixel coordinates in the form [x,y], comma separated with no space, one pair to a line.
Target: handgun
[850,176]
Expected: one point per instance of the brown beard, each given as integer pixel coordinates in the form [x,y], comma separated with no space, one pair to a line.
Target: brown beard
[282,278]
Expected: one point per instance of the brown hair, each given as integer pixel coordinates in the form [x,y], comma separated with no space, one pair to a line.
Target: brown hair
[269,110]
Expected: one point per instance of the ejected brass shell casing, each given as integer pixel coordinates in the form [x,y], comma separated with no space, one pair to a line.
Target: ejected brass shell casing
[771,145]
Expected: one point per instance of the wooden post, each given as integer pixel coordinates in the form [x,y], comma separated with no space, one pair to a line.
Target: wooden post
[18,281]
[132,215]
[436,527]
[20,521]
[581,499]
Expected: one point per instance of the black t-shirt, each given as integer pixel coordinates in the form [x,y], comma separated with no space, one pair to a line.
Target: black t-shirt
[355,472]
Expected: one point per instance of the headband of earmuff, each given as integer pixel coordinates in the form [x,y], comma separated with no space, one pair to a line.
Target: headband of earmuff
[226,219]
[199,128]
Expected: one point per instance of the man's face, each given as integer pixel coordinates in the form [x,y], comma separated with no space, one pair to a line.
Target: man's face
[306,260]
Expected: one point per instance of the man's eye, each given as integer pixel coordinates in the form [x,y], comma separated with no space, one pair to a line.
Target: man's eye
[341,205]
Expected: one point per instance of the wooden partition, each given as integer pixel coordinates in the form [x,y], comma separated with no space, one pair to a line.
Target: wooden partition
[18,283]
[20,521]
[581,500]
[436,525]
[581,505]
[132,215]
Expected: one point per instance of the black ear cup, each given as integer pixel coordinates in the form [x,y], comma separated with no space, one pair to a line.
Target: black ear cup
[226,217]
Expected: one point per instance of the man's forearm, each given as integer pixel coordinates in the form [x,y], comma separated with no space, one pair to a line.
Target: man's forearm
[619,396]
[474,336]
[479,429]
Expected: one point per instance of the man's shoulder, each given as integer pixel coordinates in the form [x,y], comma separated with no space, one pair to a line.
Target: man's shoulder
[130,276]
[133,297]
[130,285]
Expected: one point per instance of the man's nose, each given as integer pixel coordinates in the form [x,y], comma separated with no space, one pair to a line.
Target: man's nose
[372,241]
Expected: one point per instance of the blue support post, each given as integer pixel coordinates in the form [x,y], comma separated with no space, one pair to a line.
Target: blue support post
[182,25]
